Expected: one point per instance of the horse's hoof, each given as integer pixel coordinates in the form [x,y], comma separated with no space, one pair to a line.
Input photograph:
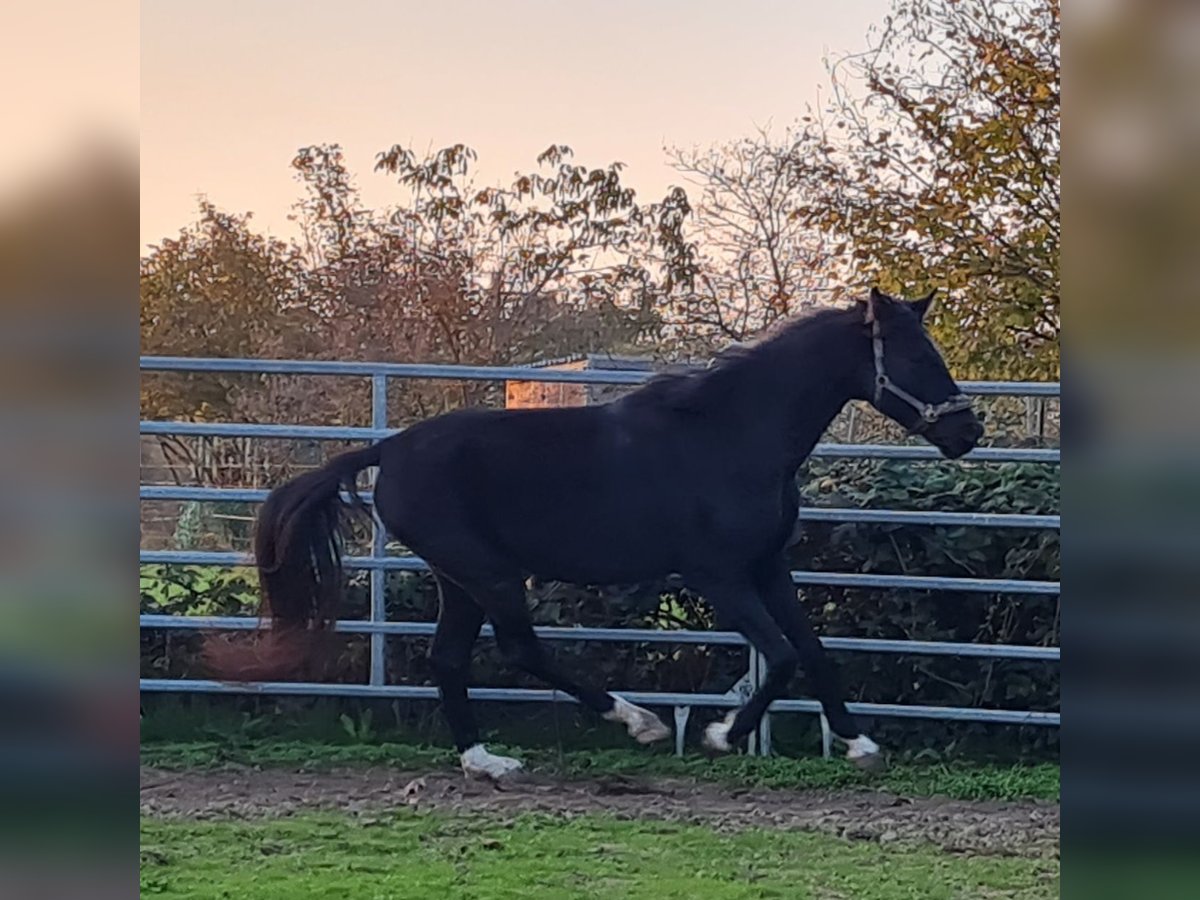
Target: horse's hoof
[870,762]
[716,734]
[643,726]
[478,763]
[655,731]
[865,754]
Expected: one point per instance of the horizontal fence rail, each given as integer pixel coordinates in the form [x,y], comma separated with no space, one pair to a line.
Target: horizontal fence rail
[496,373]
[649,698]
[378,629]
[620,635]
[808,514]
[835,579]
[351,433]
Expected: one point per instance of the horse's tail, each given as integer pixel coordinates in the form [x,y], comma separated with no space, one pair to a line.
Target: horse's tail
[298,553]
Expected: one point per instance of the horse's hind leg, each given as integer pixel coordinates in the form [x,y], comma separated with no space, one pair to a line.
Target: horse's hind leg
[505,606]
[459,621]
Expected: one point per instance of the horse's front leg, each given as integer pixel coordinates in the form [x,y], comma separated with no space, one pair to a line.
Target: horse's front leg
[738,604]
[779,596]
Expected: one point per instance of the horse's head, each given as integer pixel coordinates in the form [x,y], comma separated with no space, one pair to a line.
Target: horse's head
[906,378]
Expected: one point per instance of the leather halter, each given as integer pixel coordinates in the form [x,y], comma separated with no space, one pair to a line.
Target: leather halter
[929,412]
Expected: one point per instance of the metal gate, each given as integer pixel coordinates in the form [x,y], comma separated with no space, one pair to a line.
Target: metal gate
[380,630]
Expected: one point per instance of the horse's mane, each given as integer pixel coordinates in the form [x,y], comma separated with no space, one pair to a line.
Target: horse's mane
[734,366]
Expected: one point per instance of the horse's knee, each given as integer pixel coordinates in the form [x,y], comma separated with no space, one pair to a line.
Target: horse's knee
[523,652]
[447,666]
[781,669]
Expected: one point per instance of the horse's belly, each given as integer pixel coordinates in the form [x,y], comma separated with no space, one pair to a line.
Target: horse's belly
[580,549]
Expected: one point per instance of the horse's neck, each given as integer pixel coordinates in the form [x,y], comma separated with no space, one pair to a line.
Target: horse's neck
[811,418]
[802,400]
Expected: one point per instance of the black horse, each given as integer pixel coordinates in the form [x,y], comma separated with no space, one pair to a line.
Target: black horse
[690,475]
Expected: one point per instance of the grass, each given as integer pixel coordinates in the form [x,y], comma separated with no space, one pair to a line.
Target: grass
[415,855]
[961,781]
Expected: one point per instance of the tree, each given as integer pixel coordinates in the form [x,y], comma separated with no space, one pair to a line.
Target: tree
[554,263]
[218,289]
[936,164]
[457,273]
[221,290]
[753,260]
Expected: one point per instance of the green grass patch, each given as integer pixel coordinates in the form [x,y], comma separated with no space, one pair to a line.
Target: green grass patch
[414,855]
[962,781]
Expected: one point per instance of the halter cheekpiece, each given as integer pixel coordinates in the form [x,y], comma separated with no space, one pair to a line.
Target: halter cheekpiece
[929,412]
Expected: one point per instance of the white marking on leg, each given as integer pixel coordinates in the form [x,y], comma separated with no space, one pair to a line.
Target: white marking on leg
[861,746]
[716,735]
[478,763]
[643,726]
[861,750]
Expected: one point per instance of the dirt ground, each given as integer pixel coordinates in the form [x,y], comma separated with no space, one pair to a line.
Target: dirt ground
[1027,829]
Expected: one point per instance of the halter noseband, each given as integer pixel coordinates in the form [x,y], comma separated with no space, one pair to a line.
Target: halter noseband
[929,412]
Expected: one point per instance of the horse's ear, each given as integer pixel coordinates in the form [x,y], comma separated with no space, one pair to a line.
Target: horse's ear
[874,305]
[922,305]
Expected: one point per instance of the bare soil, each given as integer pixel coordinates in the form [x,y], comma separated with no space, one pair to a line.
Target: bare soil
[1027,828]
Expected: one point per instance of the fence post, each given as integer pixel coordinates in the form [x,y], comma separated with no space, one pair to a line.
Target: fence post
[379,414]
[764,725]
[755,673]
[682,713]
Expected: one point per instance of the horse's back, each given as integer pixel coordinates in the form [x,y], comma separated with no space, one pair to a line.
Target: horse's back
[574,493]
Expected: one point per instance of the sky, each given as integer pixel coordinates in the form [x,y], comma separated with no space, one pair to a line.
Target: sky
[70,72]
[231,88]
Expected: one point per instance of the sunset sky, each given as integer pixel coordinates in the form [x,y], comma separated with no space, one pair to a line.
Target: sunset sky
[230,88]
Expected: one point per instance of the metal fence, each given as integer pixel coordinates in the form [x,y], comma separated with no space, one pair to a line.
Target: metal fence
[380,630]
